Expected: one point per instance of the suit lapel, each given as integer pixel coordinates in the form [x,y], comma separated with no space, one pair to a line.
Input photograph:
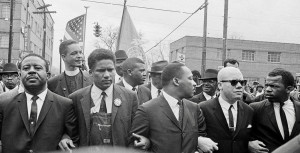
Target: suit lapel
[186,115]
[86,80]
[272,117]
[140,95]
[86,106]
[63,84]
[45,108]
[296,128]
[168,111]
[240,118]
[219,114]
[116,95]
[23,109]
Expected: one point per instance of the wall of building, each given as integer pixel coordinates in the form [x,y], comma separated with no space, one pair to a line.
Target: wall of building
[254,68]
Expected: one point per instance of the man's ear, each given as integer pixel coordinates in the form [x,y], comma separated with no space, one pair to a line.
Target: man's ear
[176,81]
[128,71]
[63,56]
[289,89]
[220,86]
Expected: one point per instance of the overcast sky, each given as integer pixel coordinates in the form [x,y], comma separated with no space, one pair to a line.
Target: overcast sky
[261,20]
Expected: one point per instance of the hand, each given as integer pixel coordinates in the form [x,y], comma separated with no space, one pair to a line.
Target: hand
[141,142]
[66,144]
[207,145]
[257,147]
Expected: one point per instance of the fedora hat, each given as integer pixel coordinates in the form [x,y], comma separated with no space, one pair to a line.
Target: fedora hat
[120,54]
[9,68]
[158,67]
[210,74]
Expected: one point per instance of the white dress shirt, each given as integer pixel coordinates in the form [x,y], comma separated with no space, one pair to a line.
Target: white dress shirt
[128,86]
[225,107]
[173,102]
[154,91]
[207,96]
[289,111]
[96,95]
[39,102]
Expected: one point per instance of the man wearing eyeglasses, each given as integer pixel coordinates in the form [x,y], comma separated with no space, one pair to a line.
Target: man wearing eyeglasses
[209,86]
[228,119]
[276,120]
[10,77]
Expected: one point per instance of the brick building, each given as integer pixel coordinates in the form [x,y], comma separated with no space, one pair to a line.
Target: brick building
[27,29]
[256,58]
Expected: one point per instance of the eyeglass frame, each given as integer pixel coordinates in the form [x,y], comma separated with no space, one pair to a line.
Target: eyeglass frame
[235,82]
[12,75]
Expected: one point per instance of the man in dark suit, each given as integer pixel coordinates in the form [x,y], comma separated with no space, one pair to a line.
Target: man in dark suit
[170,122]
[209,86]
[35,120]
[134,76]
[72,78]
[227,118]
[155,86]
[10,77]
[105,111]
[277,119]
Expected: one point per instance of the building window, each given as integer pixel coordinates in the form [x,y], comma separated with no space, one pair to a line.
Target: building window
[228,53]
[5,11]
[248,55]
[274,57]
[4,40]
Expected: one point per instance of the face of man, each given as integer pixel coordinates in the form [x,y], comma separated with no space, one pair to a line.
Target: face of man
[10,80]
[103,73]
[33,74]
[138,74]
[236,65]
[186,83]
[119,63]
[230,93]
[275,90]
[156,80]
[74,56]
[209,86]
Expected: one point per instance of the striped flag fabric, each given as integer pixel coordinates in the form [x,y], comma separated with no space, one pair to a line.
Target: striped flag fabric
[74,29]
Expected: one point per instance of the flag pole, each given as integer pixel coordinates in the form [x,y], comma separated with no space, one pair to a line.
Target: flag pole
[119,35]
[84,30]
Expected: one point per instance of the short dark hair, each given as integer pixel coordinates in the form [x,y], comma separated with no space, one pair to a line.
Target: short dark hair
[287,77]
[231,61]
[196,73]
[171,71]
[64,45]
[35,55]
[130,63]
[98,55]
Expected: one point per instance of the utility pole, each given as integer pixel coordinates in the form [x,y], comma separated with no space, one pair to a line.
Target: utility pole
[204,40]
[10,43]
[44,27]
[225,31]
[84,30]
[60,58]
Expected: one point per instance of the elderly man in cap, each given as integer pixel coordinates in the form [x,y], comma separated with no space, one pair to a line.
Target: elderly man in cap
[209,86]
[121,56]
[155,85]
[10,77]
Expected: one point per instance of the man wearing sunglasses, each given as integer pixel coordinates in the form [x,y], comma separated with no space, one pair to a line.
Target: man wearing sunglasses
[276,120]
[209,86]
[228,119]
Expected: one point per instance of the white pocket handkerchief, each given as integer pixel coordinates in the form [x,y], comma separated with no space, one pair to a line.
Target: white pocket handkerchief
[249,126]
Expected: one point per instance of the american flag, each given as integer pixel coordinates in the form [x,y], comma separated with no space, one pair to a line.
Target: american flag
[74,29]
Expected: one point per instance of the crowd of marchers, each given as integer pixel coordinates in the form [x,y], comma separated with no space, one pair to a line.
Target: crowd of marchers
[111,105]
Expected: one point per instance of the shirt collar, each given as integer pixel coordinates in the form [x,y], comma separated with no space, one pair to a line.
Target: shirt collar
[225,104]
[41,96]
[287,102]
[171,100]
[207,96]
[72,73]
[128,86]
[96,92]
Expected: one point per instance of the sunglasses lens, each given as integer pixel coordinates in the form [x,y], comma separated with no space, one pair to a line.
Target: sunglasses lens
[234,82]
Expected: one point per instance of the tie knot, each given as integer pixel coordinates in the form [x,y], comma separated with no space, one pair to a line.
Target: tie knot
[281,104]
[231,106]
[103,94]
[34,98]
[133,89]
[179,102]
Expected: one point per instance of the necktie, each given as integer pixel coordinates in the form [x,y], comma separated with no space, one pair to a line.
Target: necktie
[180,118]
[231,122]
[133,89]
[33,115]
[284,123]
[103,104]
[158,92]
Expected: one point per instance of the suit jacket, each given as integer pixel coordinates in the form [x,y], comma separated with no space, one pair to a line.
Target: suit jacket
[122,115]
[265,127]
[218,130]
[198,98]
[58,84]
[143,93]
[55,119]
[156,121]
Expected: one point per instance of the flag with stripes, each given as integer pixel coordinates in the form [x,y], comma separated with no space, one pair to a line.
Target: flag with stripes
[74,29]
